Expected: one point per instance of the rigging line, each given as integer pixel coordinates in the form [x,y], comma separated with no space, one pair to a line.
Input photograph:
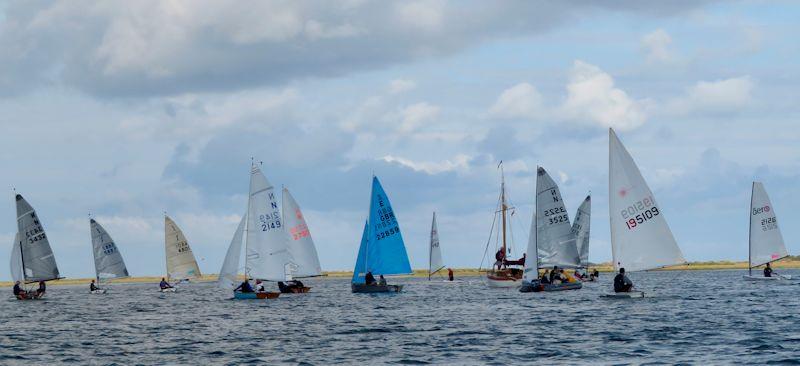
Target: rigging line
[488,241]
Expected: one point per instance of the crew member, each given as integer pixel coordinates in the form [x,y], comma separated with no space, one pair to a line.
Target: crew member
[164,284]
[93,287]
[245,287]
[369,279]
[767,271]
[450,274]
[621,282]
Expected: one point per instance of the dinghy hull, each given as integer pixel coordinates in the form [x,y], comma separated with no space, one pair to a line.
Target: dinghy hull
[507,278]
[624,295]
[360,288]
[255,295]
[295,290]
[762,278]
[169,289]
[549,287]
[98,292]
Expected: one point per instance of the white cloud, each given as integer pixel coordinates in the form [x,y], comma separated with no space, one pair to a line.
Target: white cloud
[592,97]
[519,101]
[656,45]
[563,177]
[399,86]
[720,96]
[458,163]
[415,115]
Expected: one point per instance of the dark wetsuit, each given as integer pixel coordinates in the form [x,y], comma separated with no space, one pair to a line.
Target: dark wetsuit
[545,278]
[622,283]
[93,287]
[17,290]
[369,279]
[164,284]
[767,272]
[245,287]
[41,289]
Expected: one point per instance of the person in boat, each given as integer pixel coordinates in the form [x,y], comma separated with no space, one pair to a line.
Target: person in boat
[621,282]
[93,287]
[259,286]
[381,281]
[164,284]
[244,287]
[767,271]
[545,277]
[19,293]
[554,274]
[41,290]
[577,275]
[450,274]
[291,285]
[369,279]
[500,258]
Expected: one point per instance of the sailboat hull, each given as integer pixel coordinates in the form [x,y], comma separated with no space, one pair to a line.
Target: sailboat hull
[762,278]
[295,290]
[550,287]
[168,289]
[507,278]
[98,292]
[624,295]
[360,288]
[255,295]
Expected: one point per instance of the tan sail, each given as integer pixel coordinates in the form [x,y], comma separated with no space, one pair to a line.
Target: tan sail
[181,264]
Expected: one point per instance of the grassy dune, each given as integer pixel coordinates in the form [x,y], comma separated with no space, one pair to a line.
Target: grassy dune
[791,262]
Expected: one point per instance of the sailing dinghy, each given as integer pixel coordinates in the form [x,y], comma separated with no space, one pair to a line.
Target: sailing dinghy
[504,273]
[382,250]
[766,242]
[108,263]
[435,263]
[181,264]
[32,259]
[553,243]
[305,261]
[580,228]
[640,237]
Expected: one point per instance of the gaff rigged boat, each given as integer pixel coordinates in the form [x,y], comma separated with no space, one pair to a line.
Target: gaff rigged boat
[108,263]
[766,242]
[640,237]
[382,250]
[32,259]
[504,273]
[552,242]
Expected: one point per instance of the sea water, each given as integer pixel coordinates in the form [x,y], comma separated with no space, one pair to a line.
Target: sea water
[694,317]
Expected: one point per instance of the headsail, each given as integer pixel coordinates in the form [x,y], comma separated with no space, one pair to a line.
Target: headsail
[108,261]
[228,275]
[385,249]
[640,237]
[301,246]
[530,271]
[181,264]
[361,260]
[38,262]
[766,241]
[435,254]
[16,261]
[267,254]
[580,228]
[554,239]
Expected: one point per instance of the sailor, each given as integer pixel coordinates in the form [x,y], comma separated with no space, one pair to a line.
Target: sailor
[554,274]
[244,287]
[621,282]
[767,271]
[545,277]
[596,273]
[93,287]
[259,286]
[18,291]
[450,274]
[40,291]
[297,284]
[164,284]
[499,257]
[369,279]
[578,275]
[381,281]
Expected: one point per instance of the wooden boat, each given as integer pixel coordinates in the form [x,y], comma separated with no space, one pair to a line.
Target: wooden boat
[504,278]
[508,275]
[371,289]
[32,259]
[765,240]
[255,295]
[287,289]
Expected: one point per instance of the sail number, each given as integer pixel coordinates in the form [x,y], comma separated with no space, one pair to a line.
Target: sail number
[769,223]
[556,215]
[270,221]
[642,217]
[182,247]
[35,234]
[109,248]
[387,233]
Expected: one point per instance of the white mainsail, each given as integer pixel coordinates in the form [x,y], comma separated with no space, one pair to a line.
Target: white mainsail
[581,230]
[766,241]
[228,275]
[38,261]
[640,237]
[555,241]
[108,261]
[181,264]
[16,261]
[267,241]
[435,263]
[301,246]
[531,270]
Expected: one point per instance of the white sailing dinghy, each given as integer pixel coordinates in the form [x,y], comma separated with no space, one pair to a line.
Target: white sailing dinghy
[32,258]
[640,237]
[510,273]
[766,242]
[265,240]
[553,243]
[181,264]
[303,253]
[435,263]
[580,228]
[108,263]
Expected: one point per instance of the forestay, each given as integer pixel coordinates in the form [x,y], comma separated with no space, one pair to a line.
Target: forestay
[108,261]
[228,274]
[435,254]
[267,241]
[640,237]
[555,241]
[38,262]
[766,241]
[301,245]
[181,264]
[580,228]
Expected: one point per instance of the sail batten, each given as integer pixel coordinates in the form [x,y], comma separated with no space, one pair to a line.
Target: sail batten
[37,259]
[766,241]
[555,241]
[108,262]
[640,237]
[181,264]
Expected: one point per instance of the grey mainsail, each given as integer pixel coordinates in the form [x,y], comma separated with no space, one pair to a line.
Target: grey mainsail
[581,230]
[38,262]
[108,261]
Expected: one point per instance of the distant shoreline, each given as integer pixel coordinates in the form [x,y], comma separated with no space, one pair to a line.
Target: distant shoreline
[793,262]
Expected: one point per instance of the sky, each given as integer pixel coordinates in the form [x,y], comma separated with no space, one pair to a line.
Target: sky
[127,110]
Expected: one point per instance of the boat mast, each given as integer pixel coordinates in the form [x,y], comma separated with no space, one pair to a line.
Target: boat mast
[750,233]
[503,206]
[247,221]
[536,222]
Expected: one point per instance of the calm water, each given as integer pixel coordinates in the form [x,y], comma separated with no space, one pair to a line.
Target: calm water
[695,317]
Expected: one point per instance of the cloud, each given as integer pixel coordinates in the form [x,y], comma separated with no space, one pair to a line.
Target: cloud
[721,96]
[519,101]
[458,163]
[413,116]
[592,97]
[656,45]
[399,86]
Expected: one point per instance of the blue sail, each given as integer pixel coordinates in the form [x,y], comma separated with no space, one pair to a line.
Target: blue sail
[361,260]
[386,252]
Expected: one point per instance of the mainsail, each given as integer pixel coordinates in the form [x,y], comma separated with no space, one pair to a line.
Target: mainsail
[16,260]
[267,254]
[580,228]
[301,246]
[384,252]
[108,261]
[228,275]
[435,263]
[766,241]
[38,262]
[181,264]
[640,237]
[555,241]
